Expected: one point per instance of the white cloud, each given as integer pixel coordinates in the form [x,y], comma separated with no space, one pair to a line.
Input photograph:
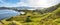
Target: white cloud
[32,3]
[21,4]
[12,5]
[42,3]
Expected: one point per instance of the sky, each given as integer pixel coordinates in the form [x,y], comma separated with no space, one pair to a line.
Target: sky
[28,3]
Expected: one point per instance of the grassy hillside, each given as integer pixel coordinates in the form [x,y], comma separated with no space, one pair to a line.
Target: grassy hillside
[35,18]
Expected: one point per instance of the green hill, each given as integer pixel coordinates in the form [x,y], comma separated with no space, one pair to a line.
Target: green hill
[35,18]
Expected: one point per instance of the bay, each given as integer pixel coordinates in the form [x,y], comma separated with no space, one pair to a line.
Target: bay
[5,13]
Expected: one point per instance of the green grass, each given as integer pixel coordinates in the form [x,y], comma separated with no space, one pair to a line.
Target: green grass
[52,18]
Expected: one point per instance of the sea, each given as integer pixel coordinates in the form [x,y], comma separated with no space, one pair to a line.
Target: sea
[5,13]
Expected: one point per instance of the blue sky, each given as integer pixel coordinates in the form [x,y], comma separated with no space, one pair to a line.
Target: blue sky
[11,1]
[30,3]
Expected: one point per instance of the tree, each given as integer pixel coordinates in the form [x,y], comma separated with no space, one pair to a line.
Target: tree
[28,19]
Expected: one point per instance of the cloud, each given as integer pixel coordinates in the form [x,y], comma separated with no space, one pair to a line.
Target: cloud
[12,5]
[31,3]
[42,3]
[21,4]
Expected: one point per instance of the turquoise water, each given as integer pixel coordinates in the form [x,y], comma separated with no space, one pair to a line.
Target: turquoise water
[7,14]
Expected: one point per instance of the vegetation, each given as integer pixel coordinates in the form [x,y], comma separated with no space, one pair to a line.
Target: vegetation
[35,18]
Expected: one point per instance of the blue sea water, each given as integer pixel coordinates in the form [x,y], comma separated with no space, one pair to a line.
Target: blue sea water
[7,14]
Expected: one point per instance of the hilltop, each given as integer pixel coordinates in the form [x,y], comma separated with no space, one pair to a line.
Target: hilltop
[36,17]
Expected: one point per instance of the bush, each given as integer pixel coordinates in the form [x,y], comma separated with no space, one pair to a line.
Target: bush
[28,19]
